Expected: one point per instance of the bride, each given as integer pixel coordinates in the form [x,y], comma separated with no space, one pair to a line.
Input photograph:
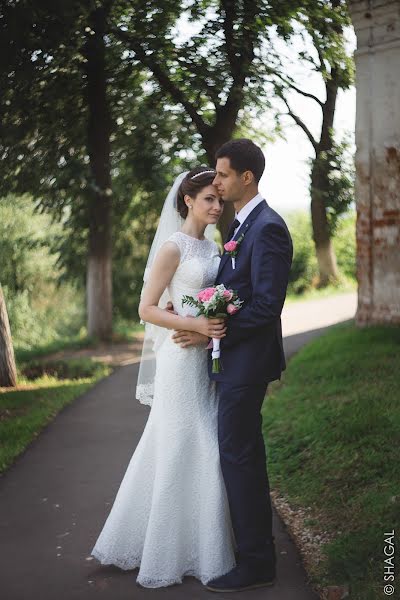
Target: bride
[171,515]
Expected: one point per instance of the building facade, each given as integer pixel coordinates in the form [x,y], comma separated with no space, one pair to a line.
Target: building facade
[377,27]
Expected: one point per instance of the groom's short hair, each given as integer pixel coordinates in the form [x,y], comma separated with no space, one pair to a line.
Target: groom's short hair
[244,155]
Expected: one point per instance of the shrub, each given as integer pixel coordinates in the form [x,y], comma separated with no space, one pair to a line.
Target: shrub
[304,270]
[344,243]
[304,266]
[62,369]
[39,309]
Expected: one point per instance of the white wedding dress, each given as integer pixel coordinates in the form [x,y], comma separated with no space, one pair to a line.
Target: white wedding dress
[171,515]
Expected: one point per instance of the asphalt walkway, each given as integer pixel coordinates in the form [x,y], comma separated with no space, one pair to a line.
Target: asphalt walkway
[55,498]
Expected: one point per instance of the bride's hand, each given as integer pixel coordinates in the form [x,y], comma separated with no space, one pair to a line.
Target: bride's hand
[215,328]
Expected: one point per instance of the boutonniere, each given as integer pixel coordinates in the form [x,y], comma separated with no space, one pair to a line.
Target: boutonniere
[232,248]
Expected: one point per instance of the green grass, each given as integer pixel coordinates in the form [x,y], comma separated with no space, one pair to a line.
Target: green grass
[332,431]
[59,369]
[23,355]
[345,286]
[123,332]
[25,411]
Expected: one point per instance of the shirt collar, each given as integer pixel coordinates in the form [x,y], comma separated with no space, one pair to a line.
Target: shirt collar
[242,215]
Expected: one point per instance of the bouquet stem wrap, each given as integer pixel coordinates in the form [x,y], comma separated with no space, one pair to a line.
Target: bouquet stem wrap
[215,355]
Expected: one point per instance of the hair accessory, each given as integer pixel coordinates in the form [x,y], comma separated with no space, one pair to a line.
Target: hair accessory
[203,173]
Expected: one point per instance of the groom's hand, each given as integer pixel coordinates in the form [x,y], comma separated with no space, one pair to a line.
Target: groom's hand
[170,308]
[190,338]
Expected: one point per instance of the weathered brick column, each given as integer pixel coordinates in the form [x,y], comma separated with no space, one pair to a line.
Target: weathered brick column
[377,26]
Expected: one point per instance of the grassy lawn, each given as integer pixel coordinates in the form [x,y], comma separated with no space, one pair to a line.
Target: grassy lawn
[45,386]
[25,411]
[332,431]
[123,332]
[344,287]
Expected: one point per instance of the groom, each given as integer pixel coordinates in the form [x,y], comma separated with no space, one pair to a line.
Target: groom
[251,356]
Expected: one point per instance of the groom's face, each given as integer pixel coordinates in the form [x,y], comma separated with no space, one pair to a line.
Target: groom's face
[228,181]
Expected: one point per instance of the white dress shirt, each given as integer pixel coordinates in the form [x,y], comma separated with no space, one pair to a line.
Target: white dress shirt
[242,215]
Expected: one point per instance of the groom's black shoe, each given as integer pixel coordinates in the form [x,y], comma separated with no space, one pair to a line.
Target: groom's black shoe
[242,577]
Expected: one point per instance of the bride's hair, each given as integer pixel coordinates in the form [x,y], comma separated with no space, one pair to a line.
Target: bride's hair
[197,179]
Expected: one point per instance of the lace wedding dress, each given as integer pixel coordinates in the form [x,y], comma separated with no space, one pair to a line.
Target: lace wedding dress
[171,516]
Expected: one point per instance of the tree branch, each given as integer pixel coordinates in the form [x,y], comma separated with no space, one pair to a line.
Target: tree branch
[249,31]
[212,90]
[107,6]
[239,57]
[239,43]
[298,90]
[162,77]
[315,40]
[301,124]
[228,7]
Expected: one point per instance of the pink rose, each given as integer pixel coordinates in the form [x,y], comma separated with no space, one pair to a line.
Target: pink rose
[230,246]
[228,295]
[206,294]
[231,309]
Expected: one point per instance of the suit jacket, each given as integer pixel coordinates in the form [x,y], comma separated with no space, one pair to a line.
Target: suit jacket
[252,351]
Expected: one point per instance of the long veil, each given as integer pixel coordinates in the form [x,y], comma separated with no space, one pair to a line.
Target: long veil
[170,222]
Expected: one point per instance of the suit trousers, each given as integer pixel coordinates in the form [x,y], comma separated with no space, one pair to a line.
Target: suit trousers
[243,464]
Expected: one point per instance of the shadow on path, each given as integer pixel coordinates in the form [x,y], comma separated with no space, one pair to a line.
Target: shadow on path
[293,343]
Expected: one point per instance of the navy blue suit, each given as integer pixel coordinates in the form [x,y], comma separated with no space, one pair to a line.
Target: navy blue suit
[251,356]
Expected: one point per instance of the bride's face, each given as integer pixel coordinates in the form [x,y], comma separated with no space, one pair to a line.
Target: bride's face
[207,206]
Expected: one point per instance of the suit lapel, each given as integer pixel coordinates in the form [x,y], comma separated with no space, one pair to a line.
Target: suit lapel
[244,228]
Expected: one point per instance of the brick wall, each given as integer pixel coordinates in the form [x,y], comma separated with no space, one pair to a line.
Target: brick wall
[377,26]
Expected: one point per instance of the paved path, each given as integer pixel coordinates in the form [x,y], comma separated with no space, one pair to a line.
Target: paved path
[299,317]
[303,321]
[55,498]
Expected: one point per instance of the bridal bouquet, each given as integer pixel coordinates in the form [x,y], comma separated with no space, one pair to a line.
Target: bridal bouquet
[215,302]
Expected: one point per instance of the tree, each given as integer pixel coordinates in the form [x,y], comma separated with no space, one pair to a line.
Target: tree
[104,101]
[56,124]
[215,73]
[77,133]
[323,22]
[8,371]
[99,277]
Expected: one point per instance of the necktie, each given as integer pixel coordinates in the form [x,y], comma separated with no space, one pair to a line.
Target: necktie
[232,228]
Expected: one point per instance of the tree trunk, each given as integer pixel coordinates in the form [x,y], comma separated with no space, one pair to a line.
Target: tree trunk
[327,265]
[99,271]
[99,264]
[8,371]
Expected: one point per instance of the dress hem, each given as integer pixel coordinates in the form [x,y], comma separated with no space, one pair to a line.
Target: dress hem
[149,583]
